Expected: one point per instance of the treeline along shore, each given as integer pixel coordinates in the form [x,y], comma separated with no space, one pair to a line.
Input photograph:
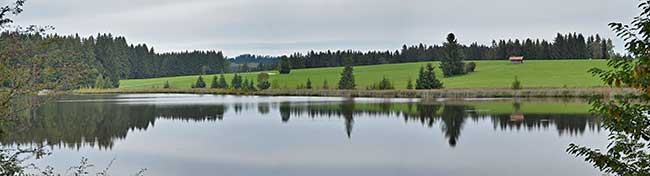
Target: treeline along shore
[424,94]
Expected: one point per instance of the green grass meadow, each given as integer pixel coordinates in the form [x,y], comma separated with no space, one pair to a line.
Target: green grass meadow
[489,74]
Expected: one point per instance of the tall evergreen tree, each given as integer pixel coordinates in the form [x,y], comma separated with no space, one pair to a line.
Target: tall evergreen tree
[347,77]
[325,85]
[605,50]
[285,65]
[452,61]
[308,84]
[244,85]
[385,84]
[199,83]
[167,85]
[222,84]
[215,83]
[251,85]
[236,82]
[427,79]
[422,81]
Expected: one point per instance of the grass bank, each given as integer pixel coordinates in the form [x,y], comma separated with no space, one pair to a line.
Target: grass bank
[489,74]
[441,93]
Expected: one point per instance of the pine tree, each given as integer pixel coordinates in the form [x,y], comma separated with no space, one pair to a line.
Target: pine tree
[409,84]
[308,85]
[385,84]
[605,50]
[424,79]
[285,65]
[434,83]
[251,85]
[199,83]
[215,83]
[427,79]
[421,82]
[222,82]
[236,82]
[516,84]
[347,78]
[452,60]
[245,84]
[325,85]
[167,86]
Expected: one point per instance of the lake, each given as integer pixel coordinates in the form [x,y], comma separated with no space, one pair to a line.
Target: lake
[172,134]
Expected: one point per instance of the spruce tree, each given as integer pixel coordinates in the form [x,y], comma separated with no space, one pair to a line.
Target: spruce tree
[347,78]
[325,85]
[222,82]
[385,84]
[167,86]
[434,83]
[421,82]
[427,79]
[244,85]
[236,82]
[452,60]
[199,83]
[516,84]
[605,50]
[251,85]
[308,85]
[215,83]
[285,65]
[409,84]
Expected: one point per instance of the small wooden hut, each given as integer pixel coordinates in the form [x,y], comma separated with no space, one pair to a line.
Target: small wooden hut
[517,59]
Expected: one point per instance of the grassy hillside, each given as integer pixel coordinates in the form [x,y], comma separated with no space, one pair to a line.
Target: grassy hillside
[489,74]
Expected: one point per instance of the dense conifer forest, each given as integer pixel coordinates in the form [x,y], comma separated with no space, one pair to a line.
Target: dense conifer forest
[114,58]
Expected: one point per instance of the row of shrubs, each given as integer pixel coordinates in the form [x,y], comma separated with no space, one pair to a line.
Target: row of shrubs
[238,82]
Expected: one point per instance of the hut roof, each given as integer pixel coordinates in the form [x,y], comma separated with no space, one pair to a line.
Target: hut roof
[516,58]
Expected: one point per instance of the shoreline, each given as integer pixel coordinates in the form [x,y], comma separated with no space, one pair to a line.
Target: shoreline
[425,94]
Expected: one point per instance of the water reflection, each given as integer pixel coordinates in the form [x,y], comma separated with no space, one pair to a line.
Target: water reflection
[451,117]
[79,123]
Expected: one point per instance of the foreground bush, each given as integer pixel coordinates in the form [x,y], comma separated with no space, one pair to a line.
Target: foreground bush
[516,84]
[470,67]
[384,84]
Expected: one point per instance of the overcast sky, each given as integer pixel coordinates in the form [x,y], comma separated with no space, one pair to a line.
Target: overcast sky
[274,27]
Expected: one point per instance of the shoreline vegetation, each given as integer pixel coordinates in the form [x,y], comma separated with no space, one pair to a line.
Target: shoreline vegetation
[425,94]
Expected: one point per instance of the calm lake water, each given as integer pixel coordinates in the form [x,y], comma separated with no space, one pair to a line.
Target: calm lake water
[232,135]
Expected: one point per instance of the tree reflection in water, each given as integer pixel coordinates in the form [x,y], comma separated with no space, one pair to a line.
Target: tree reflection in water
[74,125]
[452,117]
